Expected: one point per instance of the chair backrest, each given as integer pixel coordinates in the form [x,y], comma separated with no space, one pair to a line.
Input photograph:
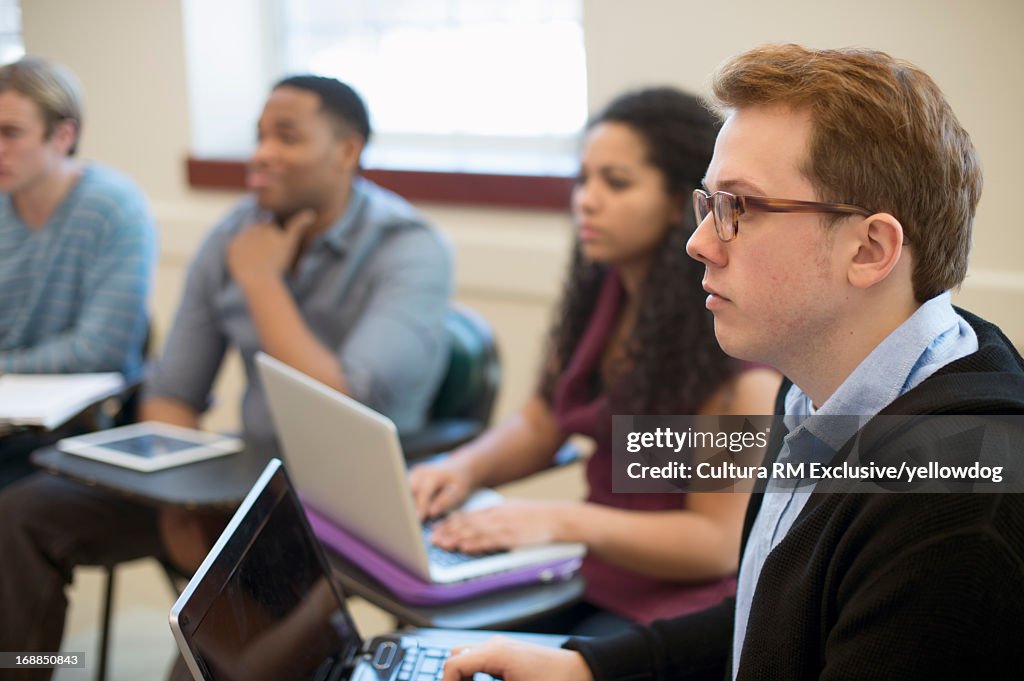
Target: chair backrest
[125,410]
[474,369]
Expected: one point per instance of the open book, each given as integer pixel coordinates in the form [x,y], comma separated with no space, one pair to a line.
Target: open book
[49,400]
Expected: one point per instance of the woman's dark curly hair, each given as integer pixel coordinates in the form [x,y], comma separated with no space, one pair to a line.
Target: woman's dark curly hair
[673,359]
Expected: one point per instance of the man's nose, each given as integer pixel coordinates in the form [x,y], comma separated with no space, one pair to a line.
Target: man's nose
[704,244]
[264,151]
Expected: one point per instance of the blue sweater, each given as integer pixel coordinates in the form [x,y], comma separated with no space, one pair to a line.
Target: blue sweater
[73,293]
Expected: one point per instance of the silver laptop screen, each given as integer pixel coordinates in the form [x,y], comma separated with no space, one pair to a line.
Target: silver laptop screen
[276,614]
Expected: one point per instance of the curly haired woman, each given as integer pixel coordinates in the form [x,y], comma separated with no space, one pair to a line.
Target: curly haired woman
[632,337]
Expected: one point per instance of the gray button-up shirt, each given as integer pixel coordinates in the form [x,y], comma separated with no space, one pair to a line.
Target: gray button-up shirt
[375,287]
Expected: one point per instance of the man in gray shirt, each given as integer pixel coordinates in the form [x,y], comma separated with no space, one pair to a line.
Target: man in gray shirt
[322,269]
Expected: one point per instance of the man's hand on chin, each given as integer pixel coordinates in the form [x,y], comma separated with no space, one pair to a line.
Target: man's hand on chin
[266,249]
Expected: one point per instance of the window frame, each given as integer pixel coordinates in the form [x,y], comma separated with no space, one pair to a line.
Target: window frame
[551,192]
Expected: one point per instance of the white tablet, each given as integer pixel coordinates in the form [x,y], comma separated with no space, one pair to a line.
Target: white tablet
[150,446]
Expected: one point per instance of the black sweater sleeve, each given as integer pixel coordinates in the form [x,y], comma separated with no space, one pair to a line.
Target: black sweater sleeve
[694,648]
[947,606]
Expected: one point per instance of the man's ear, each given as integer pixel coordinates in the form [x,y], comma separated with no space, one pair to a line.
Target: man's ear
[64,135]
[348,150]
[877,248]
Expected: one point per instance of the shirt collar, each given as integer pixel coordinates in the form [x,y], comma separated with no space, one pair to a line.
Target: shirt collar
[341,232]
[927,340]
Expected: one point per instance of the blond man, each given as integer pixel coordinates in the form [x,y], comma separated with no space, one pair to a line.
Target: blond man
[77,245]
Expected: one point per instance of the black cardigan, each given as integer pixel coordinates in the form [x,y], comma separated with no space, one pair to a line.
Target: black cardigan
[870,586]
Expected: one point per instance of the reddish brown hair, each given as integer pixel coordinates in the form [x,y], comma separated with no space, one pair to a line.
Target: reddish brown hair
[884,138]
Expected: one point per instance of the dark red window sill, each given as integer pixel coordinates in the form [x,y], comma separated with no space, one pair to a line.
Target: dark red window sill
[515,191]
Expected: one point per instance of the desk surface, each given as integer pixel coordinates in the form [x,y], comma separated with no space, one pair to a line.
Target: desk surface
[222,482]
[497,610]
[214,484]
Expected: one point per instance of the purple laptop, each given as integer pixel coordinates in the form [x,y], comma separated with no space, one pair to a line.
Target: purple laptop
[347,464]
[411,589]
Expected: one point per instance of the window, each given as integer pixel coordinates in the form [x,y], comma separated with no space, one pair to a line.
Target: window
[471,101]
[452,84]
[11,46]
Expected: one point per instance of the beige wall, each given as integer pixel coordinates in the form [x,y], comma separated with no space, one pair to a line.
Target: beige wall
[130,57]
[973,50]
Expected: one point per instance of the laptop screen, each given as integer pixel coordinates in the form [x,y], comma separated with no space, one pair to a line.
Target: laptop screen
[266,608]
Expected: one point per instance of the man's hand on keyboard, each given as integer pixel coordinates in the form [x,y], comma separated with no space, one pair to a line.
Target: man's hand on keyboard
[510,660]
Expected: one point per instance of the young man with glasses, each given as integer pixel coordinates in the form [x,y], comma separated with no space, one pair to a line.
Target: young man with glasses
[836,217]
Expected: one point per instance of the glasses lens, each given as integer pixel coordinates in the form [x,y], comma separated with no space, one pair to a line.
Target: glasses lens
[725,210]
[701,206]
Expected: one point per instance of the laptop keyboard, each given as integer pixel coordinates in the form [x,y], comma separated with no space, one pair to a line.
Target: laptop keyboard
[427,664]
[419,663]
[422,664]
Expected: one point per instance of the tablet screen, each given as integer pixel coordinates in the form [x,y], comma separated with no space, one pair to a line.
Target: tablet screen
[150,445]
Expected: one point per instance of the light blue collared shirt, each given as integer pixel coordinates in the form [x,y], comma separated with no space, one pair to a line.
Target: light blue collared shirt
[931,338]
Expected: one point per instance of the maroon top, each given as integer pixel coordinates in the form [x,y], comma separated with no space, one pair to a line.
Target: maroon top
[580,407]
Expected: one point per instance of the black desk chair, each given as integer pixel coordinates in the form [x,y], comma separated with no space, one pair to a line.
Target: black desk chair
[217,484]
[177,581]
[122,415]
[464,403]
[462,407]
[119,411]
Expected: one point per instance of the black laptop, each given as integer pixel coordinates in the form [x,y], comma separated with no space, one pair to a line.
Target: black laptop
[263,605]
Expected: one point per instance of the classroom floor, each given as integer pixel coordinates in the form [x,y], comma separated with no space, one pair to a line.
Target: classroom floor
[142,647]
